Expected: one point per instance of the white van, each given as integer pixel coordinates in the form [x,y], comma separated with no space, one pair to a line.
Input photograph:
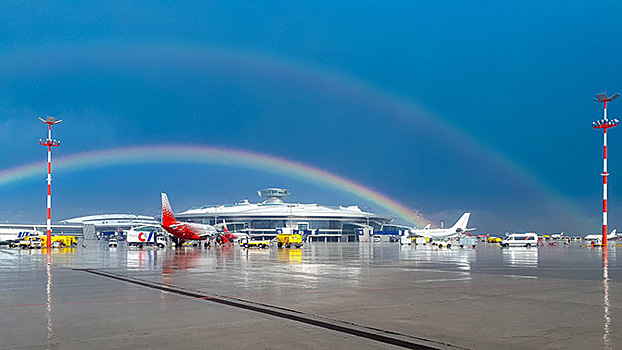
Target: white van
[520,240]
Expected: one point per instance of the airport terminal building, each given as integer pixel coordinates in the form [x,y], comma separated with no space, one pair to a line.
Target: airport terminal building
[98,225]
[318,223]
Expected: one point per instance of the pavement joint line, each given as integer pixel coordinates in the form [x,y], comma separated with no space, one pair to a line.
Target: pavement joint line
[5,251]
[380,335]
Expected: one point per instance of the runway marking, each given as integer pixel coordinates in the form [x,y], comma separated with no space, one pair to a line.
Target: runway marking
[380,335]
[519,276]
[89,302]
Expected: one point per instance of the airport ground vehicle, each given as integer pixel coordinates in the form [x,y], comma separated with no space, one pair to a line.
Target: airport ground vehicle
[248,243]
[161,241]
[31,242]
[520,240]
[442,243]
[60,241]
[467,241]
[142,236]
[405,240]
[494,239]
[35,242]
[420,240]
[289,240]
[24,243]
[112,243]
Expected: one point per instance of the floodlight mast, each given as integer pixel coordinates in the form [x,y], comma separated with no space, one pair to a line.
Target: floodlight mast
[49,142]
[605,124]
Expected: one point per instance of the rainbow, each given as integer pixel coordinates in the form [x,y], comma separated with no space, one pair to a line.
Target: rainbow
[208,61]
[209,155]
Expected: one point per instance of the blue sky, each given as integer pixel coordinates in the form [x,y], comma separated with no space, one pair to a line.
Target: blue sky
[446,107]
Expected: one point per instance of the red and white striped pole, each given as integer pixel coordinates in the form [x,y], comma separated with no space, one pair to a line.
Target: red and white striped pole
[49,142]
[605,174]
[605,124]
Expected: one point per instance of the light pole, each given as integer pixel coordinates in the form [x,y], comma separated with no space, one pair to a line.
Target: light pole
[605,124]
[418,214]
[49,142]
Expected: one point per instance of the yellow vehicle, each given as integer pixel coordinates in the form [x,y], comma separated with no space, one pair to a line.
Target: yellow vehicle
[288,240]
[494,239]
[24,243]
[254,243]
[31,242]
[60,241]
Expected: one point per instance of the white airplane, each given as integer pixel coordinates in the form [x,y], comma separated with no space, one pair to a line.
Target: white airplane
[599,236]
[14,235]
[459,227]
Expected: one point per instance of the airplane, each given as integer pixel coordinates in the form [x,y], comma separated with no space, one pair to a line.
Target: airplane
[599,236]
[459,227]
[9,236]
[190,230]
[231,237]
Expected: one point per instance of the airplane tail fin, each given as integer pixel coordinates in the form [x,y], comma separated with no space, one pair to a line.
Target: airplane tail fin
[222,227]
[228,237]
[462,223]
[167,213]
[613,233]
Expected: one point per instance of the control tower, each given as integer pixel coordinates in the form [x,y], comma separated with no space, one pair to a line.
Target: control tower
[273,195]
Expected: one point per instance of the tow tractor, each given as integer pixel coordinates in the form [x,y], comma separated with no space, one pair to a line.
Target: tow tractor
[442,243]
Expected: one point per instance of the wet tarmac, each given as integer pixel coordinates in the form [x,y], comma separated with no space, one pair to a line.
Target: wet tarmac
[323,296]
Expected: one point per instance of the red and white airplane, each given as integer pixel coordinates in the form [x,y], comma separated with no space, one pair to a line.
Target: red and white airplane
[191,230]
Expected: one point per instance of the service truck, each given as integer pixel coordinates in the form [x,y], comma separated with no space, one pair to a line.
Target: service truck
[35,242]
[288,240]
[60,241]
[161,241]
[254,243]
[142,236]
[30,242]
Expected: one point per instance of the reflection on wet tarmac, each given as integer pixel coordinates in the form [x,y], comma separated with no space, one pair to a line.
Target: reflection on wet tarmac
[321,272]
[606,303]
[292,256]
[48,308]
[140,258]
[521,256]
